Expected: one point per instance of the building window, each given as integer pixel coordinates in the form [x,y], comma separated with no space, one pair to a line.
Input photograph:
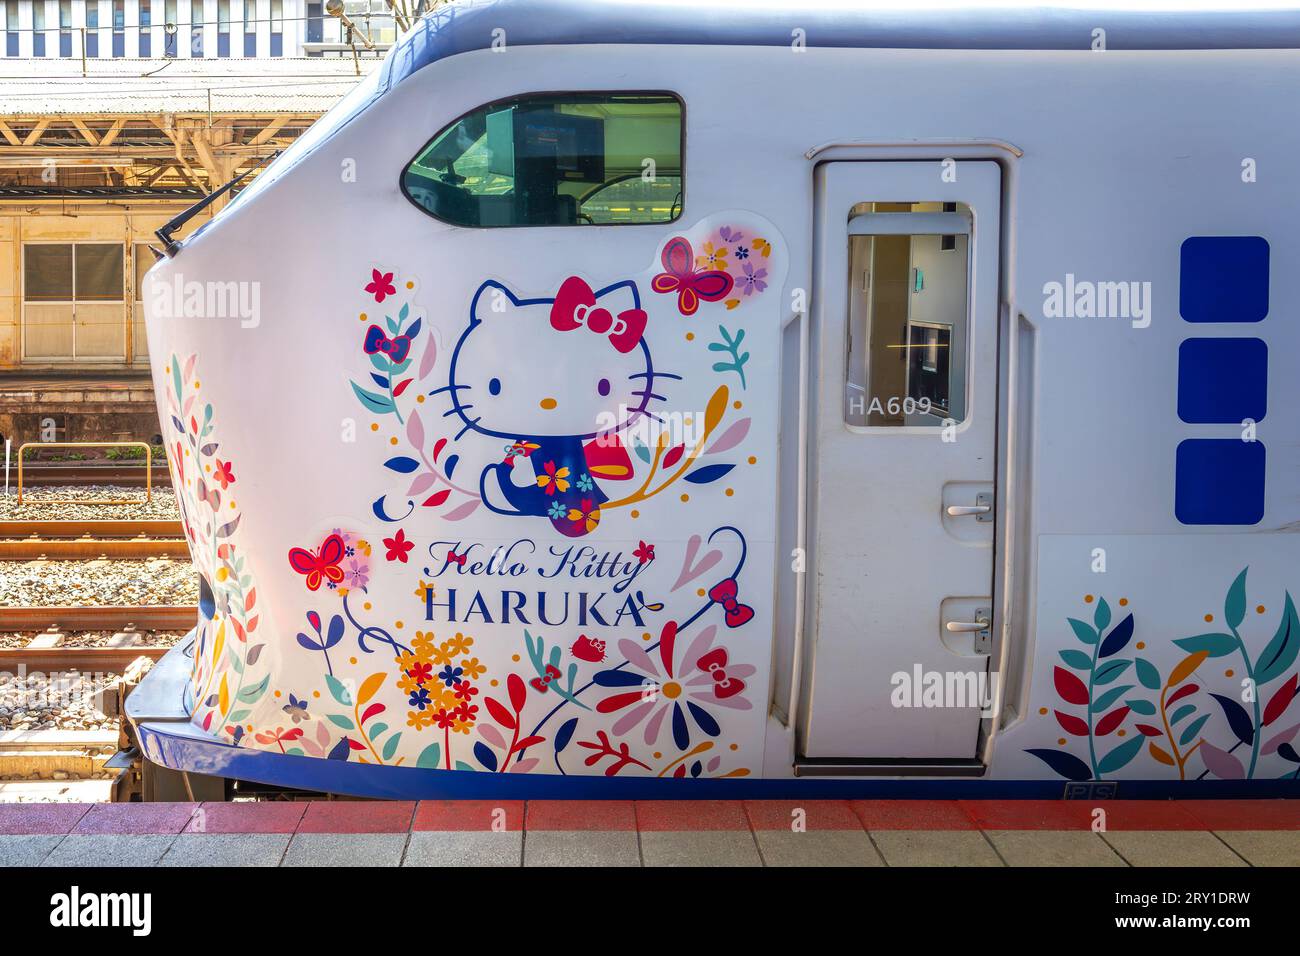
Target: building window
[198,17]
[250,27]
[146,21]
[373,18]
[11,28]
[171,28]
[315,23]
[73,305]
[143,260]
[119,27]
[223,27]
[569,160]
[92,28]
[65,27]
[38,28]
[277,27]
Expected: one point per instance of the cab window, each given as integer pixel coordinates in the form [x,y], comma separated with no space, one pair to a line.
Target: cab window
[555,160]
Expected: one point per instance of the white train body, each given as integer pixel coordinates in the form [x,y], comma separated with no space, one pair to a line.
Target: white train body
[996,489]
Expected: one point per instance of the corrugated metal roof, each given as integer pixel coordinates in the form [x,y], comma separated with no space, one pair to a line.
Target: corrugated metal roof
[51,87]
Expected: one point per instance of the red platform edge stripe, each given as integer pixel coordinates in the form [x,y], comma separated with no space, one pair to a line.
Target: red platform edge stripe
[365,816]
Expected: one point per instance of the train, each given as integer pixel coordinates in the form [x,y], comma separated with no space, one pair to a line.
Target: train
[627,399]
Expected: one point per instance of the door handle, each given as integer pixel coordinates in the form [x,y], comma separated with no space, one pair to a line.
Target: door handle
[982,509]
[958,627]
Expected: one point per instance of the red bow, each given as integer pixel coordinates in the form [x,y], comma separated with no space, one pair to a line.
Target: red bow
[724,593]
[575,307]
[454,558]
[714,664]
[552,673]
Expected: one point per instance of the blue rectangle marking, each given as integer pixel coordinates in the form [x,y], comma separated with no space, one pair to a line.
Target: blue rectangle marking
[1219,481]
[1223,279]
[1222,381]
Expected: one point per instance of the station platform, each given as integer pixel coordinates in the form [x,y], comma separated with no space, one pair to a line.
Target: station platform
[1192,833]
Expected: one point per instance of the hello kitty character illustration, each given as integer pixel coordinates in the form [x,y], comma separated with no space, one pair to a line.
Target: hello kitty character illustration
[548,376]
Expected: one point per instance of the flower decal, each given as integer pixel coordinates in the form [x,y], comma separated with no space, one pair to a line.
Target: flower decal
[680,688]
[555,479]
[381,285]
[399,546]
[223,474]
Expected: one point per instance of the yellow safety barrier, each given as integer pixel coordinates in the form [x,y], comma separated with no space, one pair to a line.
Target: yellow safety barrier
[148,470]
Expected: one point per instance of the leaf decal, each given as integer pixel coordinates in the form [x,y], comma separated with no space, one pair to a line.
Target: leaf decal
[376,403]
[1185,691]
[1192,729]
[518,693]
[428,359]
[1186,667]
[402,464]
[1111,721]
[1101,617]
[1147,674]
[1110,671]
[1222,764]
[1118,638]
[1160,754]
[338,690]
[462,511]
[716,408]
[1148,730]
[1239,721]
[1082,631]
[1214,645]
[1108,698]
[369,687]
[1280,701]
[1120,756]
[1281,737]
[1139,706]
[1071,689]
[483,753]
[1071,724]
[1076,659]
[732,437]
[1067,765]
[708,473]
[1281,650]
[415,430]
[1234,605]
[565,734]
[499,712]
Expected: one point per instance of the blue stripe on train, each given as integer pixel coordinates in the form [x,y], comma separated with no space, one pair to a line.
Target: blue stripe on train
[183,750]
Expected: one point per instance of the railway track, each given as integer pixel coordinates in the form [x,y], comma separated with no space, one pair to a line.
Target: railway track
[78,540]
[157,618]
[48,655]
[86,659]
[128,476]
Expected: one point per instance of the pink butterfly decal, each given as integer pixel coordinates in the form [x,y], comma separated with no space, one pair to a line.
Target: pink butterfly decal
[321,564]
[691,286]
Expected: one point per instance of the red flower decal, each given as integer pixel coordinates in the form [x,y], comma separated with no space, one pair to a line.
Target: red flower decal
[398,546]
[381,285]
[224,474]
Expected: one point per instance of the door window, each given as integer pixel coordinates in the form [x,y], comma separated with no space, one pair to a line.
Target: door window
[909,279]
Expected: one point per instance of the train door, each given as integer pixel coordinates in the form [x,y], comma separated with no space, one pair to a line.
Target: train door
[901,462]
